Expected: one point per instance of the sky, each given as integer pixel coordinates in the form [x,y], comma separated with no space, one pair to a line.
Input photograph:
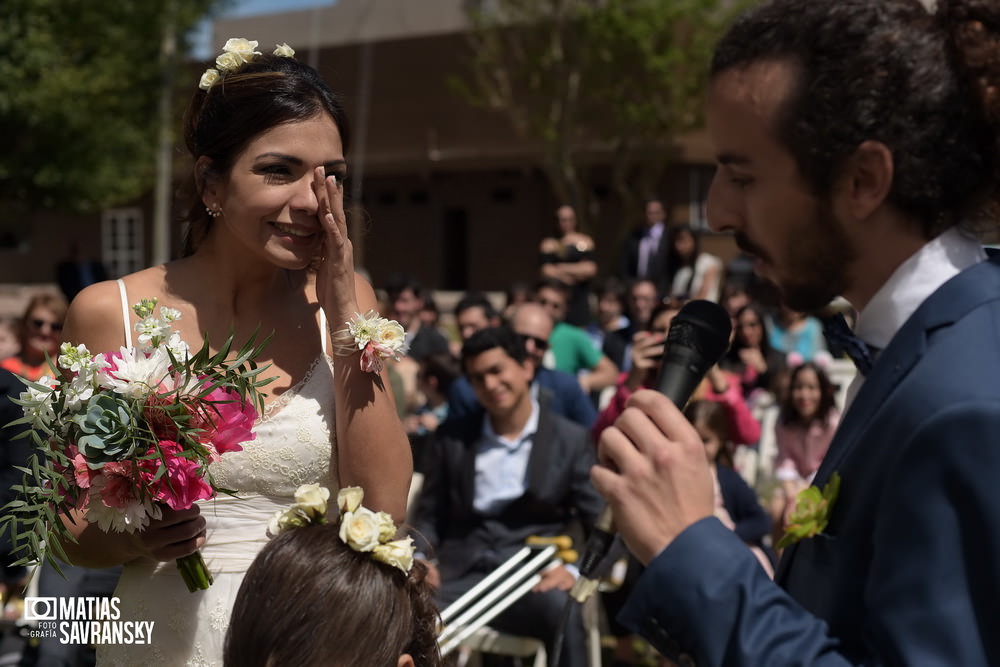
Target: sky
[204,49]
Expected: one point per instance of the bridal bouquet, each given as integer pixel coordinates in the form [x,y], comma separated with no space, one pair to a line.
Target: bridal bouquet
[127,432]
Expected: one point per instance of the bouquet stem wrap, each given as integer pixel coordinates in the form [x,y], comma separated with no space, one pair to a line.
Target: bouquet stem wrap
[194,572]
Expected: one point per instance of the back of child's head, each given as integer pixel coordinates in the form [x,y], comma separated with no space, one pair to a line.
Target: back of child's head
[712,416]
[309,599]
[789,412]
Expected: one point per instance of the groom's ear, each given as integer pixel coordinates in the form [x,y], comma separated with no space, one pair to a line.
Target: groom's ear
[405,660]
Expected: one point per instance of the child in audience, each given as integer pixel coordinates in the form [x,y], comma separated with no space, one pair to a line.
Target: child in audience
[736,504]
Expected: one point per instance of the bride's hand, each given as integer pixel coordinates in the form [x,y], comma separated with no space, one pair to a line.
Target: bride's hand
[175,534]
[335,275]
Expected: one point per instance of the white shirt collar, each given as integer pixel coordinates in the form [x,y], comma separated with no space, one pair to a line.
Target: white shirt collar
[913,281]
[529,429]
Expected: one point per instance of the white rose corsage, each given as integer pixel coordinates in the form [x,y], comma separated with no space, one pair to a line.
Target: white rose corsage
[360,528]
[377,338]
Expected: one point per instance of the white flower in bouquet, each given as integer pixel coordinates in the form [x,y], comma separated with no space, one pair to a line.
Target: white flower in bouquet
[38,402]
[128,518]
[135,374]
[77,392]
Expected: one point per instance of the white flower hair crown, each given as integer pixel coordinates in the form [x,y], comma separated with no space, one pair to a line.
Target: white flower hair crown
[360,528]
[376,337]
[235,53]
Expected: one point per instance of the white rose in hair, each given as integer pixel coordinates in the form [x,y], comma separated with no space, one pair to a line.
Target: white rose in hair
[208,79]
[360,529]
[312,499]
[284,51]
[241,48]
[349,498]
[387,527]
[228,61]
[398,554]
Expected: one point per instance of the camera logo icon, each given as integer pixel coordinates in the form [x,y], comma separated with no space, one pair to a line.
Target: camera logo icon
[40,609]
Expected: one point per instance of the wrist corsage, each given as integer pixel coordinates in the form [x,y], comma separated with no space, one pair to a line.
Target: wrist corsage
[360,528]
[811,513]
[377,338]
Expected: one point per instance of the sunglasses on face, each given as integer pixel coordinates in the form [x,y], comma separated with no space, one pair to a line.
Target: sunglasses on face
[540,343]
[37,323]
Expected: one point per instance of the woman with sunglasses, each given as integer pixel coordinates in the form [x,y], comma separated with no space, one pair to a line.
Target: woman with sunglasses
[40,335]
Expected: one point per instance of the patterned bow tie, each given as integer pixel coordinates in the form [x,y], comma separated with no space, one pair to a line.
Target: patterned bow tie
[839,336]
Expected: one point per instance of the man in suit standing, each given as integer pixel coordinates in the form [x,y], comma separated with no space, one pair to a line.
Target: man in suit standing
[645,251]
[849,167]
[495,479]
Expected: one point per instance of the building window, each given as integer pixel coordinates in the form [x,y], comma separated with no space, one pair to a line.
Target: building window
[122,240]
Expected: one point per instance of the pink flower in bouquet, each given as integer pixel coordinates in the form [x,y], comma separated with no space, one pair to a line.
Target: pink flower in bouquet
[371,362]
[82,473]
[182,484]
[160,422]
[225,421]
[115,485]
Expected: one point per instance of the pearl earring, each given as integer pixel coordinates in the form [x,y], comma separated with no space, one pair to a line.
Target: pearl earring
[214,210]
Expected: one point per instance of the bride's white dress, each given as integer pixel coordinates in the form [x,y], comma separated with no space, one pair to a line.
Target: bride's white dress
[294,445]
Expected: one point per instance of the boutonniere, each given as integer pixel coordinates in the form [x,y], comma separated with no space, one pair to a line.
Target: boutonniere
[811,513]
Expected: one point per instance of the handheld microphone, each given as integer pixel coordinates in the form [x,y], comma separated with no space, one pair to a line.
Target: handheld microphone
[697,339]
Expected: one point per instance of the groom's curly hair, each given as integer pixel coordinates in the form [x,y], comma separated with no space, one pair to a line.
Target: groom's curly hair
[309,599]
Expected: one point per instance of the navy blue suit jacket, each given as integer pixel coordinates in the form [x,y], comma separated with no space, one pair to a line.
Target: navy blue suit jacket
[908,570]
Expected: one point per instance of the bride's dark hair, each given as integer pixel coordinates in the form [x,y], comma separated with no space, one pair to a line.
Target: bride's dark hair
[309,599]
[221,121]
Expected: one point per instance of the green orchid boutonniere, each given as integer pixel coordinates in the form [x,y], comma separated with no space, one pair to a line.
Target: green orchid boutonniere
[811,513]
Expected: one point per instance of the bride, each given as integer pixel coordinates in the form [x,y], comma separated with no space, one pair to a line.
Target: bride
[266,249]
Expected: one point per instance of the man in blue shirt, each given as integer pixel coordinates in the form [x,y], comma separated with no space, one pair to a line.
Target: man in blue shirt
[495,478]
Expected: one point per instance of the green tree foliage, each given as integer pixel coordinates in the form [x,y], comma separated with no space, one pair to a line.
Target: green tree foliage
[585,77]
[79,86]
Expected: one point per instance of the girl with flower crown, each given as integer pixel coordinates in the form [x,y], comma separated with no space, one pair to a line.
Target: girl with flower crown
[334,591]
[266,251]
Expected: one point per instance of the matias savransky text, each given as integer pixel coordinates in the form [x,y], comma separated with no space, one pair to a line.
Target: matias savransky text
[84,620]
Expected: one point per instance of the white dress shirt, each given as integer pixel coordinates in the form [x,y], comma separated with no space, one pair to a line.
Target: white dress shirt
[911,283]
[502,465]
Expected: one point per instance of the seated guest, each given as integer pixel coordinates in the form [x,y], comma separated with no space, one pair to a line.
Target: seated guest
[406,301]
[494,479]
[434,379]
[611,330]
[474,311]
[562,391]
[570,346]
[641,297]
[315,595]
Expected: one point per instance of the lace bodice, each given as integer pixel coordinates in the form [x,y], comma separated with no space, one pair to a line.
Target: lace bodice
[294,443]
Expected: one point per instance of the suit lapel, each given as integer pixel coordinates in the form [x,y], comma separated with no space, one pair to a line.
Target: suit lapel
[949,303]
[540,461]
[467,472]
[966,291]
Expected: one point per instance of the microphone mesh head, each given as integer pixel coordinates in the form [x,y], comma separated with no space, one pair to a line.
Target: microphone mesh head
[704,327]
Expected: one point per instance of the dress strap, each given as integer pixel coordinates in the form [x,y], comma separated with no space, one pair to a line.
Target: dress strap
[125,317]
[323,328]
